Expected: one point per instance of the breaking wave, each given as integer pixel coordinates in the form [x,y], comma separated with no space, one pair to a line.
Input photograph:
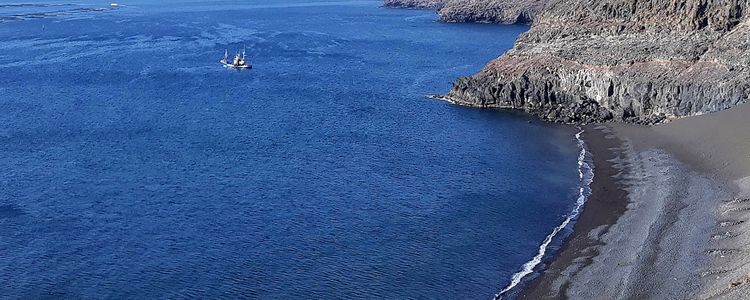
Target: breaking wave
[586,176]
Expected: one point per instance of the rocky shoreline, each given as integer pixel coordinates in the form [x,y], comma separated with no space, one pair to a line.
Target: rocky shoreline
[477,11]
[588,61]
[413,4]
[686,184]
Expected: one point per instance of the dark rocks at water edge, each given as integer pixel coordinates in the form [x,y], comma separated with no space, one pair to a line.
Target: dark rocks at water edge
[480,11]
[568,113]
[415,4]
[637,61]
[623,60]
[492,11]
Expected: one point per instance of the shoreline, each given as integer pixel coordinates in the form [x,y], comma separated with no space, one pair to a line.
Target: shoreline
[666,217]
[586,177]
[670,203]
[606,203]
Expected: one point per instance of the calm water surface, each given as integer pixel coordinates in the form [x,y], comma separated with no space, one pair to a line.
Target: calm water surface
[135,166]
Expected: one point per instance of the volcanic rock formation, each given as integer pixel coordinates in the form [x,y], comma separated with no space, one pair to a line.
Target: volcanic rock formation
[593,60]
[625,60]
[479,11]
[416,4]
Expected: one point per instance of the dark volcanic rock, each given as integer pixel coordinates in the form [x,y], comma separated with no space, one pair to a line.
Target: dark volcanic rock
[416,4]
[480,11]
[492,11]
[626,60]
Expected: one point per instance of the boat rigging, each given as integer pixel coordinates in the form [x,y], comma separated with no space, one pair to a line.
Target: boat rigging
[238,62]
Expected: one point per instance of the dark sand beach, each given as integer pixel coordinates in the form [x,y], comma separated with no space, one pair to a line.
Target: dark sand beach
[716,145]
[605,205]
[667,214]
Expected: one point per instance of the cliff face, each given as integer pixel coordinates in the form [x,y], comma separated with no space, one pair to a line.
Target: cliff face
[416,4]
[479,11]
[492,11]
[632,60]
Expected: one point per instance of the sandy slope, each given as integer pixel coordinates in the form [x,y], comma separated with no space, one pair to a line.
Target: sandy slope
[682,235]
[716,146]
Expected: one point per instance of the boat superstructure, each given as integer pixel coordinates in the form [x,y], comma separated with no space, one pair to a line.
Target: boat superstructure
[238,62]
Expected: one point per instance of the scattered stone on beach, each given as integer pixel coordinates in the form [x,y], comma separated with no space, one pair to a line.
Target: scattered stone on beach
[730,223]
[720,236]
[712,272]
[722,252]
[738,209]
[740,281]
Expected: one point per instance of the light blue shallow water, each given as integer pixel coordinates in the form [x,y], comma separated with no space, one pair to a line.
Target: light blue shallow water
[135,166]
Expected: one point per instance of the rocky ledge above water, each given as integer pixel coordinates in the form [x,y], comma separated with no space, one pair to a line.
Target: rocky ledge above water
[640,61]
[478,11]
[492,11]
[414,4]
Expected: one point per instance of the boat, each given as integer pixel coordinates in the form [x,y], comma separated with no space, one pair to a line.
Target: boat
[238,62]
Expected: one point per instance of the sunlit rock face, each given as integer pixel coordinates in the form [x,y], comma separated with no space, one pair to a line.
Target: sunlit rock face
[639,61]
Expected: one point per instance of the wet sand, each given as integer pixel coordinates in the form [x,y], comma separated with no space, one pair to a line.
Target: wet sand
[605,205]
[667,216]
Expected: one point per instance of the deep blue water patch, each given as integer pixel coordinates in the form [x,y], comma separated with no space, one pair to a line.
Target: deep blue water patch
[135,166]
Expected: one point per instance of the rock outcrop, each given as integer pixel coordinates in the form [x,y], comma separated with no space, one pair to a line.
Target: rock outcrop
[478,11]
[415,4]
[492,11]
[625,60]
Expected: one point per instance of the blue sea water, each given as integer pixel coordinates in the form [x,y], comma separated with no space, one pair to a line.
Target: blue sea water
[135,166]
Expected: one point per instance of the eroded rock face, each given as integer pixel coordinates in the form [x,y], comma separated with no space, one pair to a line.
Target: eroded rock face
[492,11]
[415,4]
[479,11]
[631,60]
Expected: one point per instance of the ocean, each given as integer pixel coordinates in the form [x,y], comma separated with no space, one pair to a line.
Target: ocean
[135,166]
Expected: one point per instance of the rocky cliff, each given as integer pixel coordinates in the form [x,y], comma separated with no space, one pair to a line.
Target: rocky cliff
[632,60]
[479,11]
[492,11]
[416,4]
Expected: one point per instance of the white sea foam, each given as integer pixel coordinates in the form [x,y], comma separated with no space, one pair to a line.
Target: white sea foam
[586,175]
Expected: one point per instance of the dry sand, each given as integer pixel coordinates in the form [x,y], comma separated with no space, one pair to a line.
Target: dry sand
[717,145]
[682,235]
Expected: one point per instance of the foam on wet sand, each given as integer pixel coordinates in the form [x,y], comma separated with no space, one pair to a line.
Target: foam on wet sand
[682,232]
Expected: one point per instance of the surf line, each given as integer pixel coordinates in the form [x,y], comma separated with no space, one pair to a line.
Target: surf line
[586,176]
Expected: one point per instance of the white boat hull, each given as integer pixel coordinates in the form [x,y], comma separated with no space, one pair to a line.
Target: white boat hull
[228,65]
